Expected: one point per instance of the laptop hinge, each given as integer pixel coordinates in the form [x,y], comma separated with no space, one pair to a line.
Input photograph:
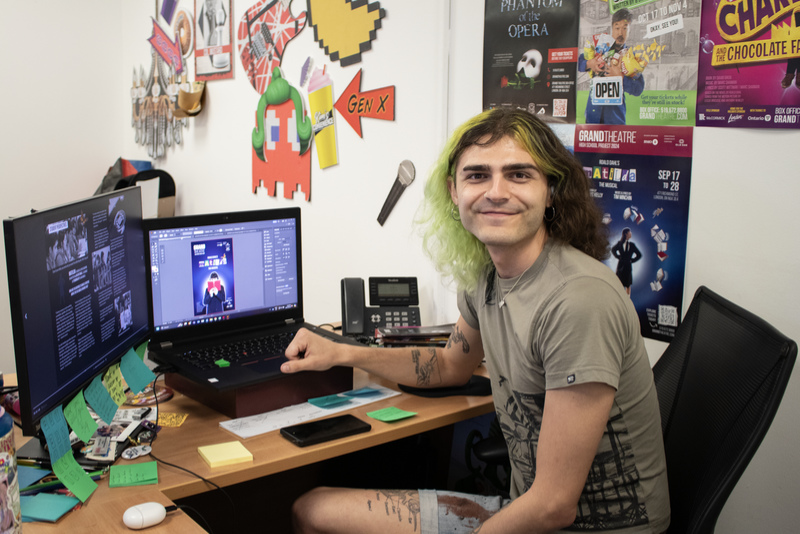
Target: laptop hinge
[165,345]
[293,321]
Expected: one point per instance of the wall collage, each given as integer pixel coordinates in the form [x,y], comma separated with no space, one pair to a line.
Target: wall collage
[623,84]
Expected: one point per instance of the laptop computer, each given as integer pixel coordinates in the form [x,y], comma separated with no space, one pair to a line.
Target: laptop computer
[222,278]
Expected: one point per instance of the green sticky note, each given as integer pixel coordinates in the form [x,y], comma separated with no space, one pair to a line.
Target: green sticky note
[133,475]
[222,363]
[141,350]
[74,477]
[79,418]
[390,414]
[99,399]
[328,401]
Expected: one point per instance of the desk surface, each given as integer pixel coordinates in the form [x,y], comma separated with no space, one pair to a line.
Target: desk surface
[272,454]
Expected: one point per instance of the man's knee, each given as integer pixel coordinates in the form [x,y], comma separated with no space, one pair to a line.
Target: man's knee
[308,511]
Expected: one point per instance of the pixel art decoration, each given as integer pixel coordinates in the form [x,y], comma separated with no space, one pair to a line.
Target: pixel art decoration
[281,140]
[345,28]
[263,33]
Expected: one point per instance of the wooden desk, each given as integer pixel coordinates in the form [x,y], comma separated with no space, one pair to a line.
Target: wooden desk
[271,454]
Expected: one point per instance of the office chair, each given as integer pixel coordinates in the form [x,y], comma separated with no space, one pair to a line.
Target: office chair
[719,385]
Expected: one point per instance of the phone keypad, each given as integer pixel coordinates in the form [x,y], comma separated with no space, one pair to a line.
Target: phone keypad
[395,317]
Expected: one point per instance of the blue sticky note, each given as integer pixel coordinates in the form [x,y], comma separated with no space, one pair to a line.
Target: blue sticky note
[135,372]
[363,392]
[56,433]
[99,399]
[46,506]
[30,475]
[328,401]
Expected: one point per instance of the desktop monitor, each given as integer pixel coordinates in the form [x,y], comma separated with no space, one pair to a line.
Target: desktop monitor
[77,290]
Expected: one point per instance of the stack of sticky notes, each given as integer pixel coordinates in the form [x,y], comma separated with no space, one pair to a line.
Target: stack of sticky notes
[229,453]
[133,474]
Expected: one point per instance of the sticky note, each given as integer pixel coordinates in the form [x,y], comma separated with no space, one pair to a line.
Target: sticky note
[229,453]
[74,477]
[135,372]
[46,506]
[79,418]
[328,401]
[56,433]
[222,363]
[30,475]
[101,402]
[363,392]
[141,350]
[133,474]
[387,415]
[173,420]
[113,382]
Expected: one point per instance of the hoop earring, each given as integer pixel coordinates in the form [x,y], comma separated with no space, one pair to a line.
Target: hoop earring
[454,214]
[550,210]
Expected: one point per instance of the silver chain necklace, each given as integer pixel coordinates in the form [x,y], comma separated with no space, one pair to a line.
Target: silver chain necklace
[500,289]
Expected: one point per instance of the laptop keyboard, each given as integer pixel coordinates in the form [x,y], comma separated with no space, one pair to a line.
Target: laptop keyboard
[240,352]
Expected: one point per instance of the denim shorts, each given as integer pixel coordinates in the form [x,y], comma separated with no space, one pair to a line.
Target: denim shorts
[450,512]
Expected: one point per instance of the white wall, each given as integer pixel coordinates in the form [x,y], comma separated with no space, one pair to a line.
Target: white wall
[61,88]
[66,118]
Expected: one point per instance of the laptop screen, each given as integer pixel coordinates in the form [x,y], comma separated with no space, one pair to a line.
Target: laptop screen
[222,267]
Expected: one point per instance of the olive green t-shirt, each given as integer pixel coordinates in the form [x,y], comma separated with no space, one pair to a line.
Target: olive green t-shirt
[568,321]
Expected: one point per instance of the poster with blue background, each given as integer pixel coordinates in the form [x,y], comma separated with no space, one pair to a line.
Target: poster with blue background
[641,176]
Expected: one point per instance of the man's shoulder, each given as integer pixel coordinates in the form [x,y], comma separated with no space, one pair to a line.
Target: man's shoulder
[570,268]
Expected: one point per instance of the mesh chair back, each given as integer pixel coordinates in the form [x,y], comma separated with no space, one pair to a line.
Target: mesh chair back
[719,384]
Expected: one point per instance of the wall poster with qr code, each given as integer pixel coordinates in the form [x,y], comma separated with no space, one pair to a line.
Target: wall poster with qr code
[641,176]
[529,57]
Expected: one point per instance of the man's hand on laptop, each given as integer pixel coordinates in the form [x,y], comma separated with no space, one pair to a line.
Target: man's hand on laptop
[310,352]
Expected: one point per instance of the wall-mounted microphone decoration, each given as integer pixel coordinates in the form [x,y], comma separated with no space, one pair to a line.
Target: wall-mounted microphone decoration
[405,175]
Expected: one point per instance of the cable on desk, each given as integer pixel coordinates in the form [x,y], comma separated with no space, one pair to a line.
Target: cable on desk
[155,436]
[184,507]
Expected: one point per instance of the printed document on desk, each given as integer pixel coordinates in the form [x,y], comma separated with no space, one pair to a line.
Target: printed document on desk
[254,425]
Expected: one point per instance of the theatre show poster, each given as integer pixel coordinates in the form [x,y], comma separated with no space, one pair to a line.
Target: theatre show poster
[641,176]
[637,62]
[212,275]
[529,57]
[749,64]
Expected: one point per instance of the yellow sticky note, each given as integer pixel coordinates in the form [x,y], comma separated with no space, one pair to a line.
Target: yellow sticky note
[113,382]
[229,453]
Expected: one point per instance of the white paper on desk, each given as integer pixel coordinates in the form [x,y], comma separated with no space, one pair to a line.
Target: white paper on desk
[253,425]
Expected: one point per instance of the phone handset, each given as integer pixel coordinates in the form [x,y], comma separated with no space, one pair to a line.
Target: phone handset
[353,305]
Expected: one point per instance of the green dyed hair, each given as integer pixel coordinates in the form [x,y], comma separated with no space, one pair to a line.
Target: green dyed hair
[457,253]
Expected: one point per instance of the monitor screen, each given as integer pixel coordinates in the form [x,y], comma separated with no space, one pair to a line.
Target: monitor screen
[77,290]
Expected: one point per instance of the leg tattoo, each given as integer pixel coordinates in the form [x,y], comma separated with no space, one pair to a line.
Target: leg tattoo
[401,504]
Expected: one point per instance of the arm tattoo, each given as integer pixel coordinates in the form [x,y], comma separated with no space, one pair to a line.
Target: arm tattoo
[425,369]
[458,337]
[402,504]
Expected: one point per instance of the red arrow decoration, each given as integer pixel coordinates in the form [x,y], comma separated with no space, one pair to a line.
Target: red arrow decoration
[169,51]
[375,104]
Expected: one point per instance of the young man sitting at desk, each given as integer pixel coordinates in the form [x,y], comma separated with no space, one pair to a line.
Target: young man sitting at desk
[510,218]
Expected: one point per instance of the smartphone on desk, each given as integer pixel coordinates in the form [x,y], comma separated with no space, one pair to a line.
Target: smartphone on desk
[314,432]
